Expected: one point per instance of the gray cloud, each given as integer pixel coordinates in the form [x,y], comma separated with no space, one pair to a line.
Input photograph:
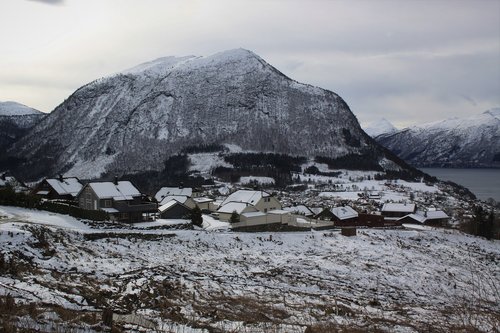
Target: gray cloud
[50,2]
[410,62]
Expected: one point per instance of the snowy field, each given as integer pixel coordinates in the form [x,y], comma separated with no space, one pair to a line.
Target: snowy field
[176,280]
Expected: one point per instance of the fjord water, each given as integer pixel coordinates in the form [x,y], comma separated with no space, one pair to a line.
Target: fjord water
[484,183]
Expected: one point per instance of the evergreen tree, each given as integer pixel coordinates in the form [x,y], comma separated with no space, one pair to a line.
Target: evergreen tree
[196,218]
[235,218]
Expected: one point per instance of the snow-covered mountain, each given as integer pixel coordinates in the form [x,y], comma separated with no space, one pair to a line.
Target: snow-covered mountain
[132,121]
[458,142]
[382,126]
[15,120]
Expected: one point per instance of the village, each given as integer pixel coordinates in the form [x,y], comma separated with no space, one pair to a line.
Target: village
[355,200]
[245,257]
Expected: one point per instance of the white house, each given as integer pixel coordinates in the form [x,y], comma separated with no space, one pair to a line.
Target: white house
[245,201]
[179,194]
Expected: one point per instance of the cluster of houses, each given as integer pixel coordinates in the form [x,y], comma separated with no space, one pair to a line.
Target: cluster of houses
[123,202]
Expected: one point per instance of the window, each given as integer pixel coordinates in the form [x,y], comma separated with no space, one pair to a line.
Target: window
[107,203]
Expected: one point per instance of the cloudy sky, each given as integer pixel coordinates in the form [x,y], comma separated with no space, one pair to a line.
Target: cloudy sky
[408,61]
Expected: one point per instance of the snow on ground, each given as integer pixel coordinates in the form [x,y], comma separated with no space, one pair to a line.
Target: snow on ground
[16,214]
[206,162]
[90,169]
[209,223]
[161,222]
[399,280]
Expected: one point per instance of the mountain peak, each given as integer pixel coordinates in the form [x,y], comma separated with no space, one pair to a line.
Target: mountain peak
[162,66]
[495,113]
[382,126]
[10,108]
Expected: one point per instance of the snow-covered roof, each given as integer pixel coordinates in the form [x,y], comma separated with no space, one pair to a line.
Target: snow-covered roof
[316,210]
[246,196]
[253,214]
[110,210]
[65,186]
[398,207]
[179,198]
[343,213]
[300,209]
[168,205]
[416,217]
[437,214]
[278,212]
[170,191]
[123,190]
[423,217]
[233,206]
[203,200]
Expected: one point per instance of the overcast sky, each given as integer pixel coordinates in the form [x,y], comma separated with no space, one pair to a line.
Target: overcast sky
[408,61]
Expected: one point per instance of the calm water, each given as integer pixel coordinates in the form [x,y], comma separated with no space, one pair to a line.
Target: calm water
[484,183]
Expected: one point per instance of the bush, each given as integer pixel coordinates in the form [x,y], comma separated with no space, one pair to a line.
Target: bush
[10,198]
[94,215]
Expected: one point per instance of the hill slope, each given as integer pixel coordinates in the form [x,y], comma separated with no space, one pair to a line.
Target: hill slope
[134,120]
[394,280]
[15,120]
[458,142]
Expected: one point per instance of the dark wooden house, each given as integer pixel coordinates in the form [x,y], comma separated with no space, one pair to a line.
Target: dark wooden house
[58,188]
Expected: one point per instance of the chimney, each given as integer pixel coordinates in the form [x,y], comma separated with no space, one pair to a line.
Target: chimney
[61,178]
[116,180]
[181,185]
[3,176]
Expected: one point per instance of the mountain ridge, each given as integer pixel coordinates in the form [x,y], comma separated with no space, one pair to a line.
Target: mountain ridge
[472,141]
[134,120]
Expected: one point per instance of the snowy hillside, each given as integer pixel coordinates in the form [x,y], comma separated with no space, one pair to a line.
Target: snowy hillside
[15,120]
[383,126]
[198,281]
[16,109]
[458,142]
[134,120]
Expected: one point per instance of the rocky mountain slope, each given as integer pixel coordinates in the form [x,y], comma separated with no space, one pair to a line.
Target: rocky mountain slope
[132,121]
[15,120]
[458,142]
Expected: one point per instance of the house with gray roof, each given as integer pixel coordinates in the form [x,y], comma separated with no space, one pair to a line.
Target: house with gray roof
[120,199]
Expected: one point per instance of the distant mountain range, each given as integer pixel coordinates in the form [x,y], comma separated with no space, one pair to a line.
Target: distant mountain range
[134,120]
[468,142]
[15,120]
